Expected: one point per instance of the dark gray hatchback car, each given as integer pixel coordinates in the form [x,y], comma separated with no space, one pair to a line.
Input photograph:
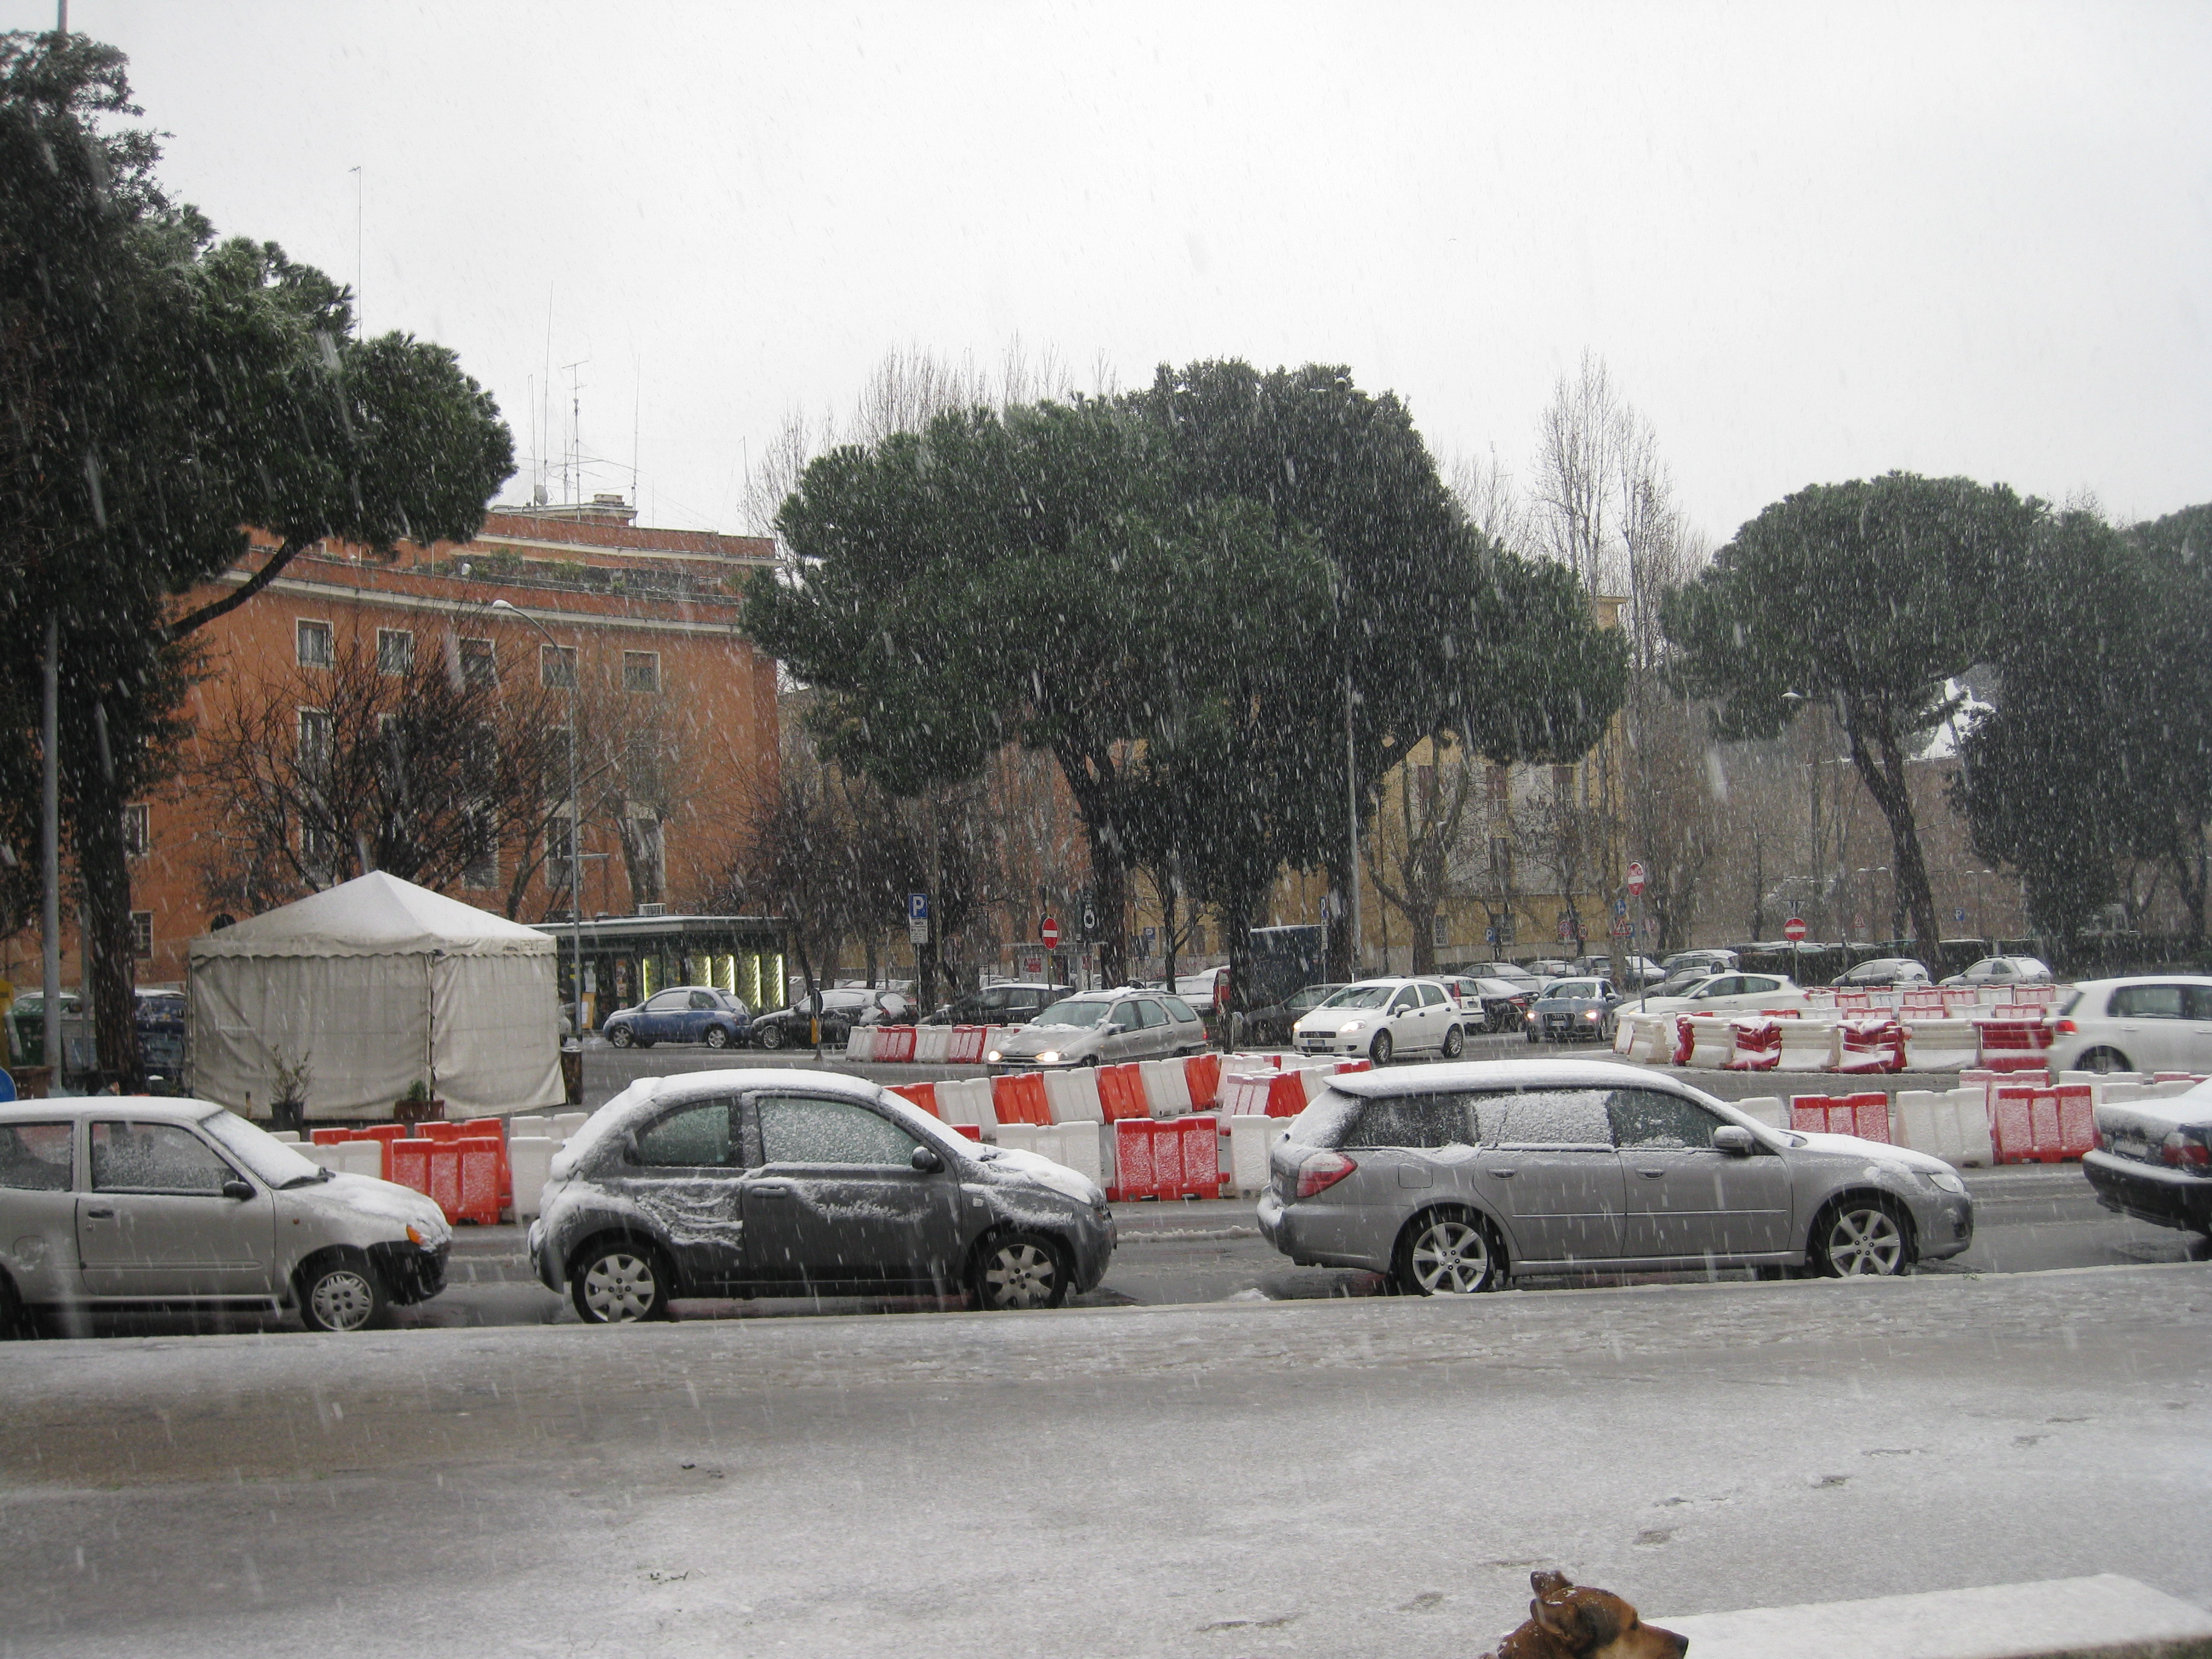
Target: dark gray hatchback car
[764,1182]
[1451,1177]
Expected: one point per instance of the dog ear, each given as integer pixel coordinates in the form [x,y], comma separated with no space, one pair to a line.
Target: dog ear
[1550,1584]
[1557,1619]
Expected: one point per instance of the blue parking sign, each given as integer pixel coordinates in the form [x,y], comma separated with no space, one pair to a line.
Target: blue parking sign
[917,907]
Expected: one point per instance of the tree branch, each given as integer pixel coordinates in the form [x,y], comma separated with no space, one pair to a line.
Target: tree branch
[291,549]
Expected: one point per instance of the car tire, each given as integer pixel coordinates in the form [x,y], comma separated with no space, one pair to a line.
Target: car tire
[1019,1270]
[1608,1029]
[342,1294]
[619,1281]
[16,1322]
[1454,1043]
[718,1036]
[620,1035]
[771,1036]
[1379,1051]
[2102,1060]
[1862,1237]
[1447,1252]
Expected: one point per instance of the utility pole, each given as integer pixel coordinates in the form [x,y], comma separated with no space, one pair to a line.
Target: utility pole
[1351,823]
[50,835]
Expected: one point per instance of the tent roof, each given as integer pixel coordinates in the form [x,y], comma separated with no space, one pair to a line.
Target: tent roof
[374,916]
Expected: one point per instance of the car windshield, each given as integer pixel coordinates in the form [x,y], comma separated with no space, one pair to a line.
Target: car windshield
[1574,988]
[1076,1012]
[1361,996]
[1680,982]
[261,1152]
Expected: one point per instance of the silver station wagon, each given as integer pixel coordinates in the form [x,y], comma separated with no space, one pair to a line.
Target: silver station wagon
[1451,1178]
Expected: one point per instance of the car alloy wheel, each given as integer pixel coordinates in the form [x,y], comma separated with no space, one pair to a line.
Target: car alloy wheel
[620,1036]
[1021,1270]
[1380,1050]
[2104,1060]
[1454,1043]
[1862,1240]
[718,1036]
[620,1286]
[771,1036]
[341,1297]
[1447,1254]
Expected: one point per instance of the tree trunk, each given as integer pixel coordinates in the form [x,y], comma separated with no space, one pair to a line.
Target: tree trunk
[1109,886]
[1422,922]
[1168,907]
[1879,761]
[1340,968]
[104,870]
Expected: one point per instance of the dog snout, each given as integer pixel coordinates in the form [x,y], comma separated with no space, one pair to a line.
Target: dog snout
[1676,1645]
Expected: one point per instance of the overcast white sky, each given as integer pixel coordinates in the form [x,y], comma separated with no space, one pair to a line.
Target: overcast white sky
[1811,244]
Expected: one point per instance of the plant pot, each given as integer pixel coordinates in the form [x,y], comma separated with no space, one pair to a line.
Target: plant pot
[418,1111]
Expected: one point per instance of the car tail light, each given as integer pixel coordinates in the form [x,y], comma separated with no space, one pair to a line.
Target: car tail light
[1323,1170]
[2066,1028]
[2186,1149]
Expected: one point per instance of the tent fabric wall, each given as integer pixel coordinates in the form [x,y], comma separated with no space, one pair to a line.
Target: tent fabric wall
[381,984]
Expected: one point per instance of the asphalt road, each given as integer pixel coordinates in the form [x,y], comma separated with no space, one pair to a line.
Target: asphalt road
[1348,1477]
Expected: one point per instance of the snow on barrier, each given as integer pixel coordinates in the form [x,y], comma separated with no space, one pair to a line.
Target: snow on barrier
[2012,1038]
[1807,1045]
[932,1044]
[860,1043]
[1951,1124]
[1167,1158]
[1249,1139]
[1866,1115]
[1874,1044]
[529,1158]
[1755,1044]
[965,1046]
[1936,1043]
[1244,1094]
[1167,1090]
[2032,1124]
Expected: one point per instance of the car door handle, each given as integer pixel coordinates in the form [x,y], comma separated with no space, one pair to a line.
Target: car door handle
[1652,1174]
[104,1212]
[769,1188]
[1498,1169]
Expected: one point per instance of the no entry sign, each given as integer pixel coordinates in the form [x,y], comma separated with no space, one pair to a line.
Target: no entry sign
[1794,929]
[1049,931]
[1636,879]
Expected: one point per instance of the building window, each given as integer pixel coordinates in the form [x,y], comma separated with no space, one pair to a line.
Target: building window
[137,829]
[478,665]
[314,645]
[559,839]
[314,743]
[1440,932]
[142,934]
[482,869]
[556,668]
[395,650]
[641,670]
[648,839]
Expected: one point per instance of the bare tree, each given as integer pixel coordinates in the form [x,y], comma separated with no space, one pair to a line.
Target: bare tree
[1423,858]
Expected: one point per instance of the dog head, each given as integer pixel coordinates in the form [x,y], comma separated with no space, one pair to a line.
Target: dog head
[1595,1624]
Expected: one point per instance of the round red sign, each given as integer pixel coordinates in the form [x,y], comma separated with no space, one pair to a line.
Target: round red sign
[1049,931]
[1794,929]
[1636,879]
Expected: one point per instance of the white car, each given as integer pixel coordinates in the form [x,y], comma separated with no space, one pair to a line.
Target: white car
[1378,1019]
[116,1202]
[2004,970]
[1724,993]
[2154,1022]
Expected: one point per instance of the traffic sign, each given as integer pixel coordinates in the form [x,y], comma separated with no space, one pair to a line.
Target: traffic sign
[917,918]
[1622,930]
[1049,931]
[1794,929]
[1636,879]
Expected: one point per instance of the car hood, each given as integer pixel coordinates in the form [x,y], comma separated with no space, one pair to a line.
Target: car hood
[1874,1152]
[1013,1164]
[1035,1039]
[360,1196]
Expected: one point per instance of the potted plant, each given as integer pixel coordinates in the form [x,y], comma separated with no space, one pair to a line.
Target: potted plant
[287,1106]
[417,1105]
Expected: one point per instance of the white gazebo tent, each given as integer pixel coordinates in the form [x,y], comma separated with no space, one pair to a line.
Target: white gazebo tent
[379,984]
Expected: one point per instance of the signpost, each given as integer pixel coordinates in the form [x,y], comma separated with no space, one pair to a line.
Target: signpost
[1794,931]
[917,918]
[1635,873]
[1049,931]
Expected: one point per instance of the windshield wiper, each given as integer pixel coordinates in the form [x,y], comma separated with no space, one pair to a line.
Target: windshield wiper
[318,1176]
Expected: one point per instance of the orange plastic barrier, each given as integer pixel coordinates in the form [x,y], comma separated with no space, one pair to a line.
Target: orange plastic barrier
[330,1137]
[479,1163]
[1202,1075]
[1866,1115]
[1133,1165]
[1344,1065]
[966,1047]
[923,1095]
[972,1130]
[2030,1125]
[440,1131]
[1019,1097]
[2014,1045]
[895,1042]
[408,1163]
[1876,1044]
[1286,1095]
[1121,1092]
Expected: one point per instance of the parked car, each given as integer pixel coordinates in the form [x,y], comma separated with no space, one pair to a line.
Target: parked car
[1574,1011]
[1881,972]
[1726,993]
[119,1202]
[1635,970]
[1103,1028]
[2151,1022]
[2003,970]
[1511,972]
[1271,1025]
[2154,1160]
[1551,968]
[841,1009]
[682,1013]
[764,1182]
[1381,1018]
[1455,1177]
[1505,1005]
[1712,961]
[1013,1003]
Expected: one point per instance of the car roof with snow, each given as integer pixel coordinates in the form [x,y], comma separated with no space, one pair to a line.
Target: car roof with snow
[1505,1074]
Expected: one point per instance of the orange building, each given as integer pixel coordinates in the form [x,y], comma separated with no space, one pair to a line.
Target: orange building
[640,632]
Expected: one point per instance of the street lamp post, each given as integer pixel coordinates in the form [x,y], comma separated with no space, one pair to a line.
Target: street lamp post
[575,828]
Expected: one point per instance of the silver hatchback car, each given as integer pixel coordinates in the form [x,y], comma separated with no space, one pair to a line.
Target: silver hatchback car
[1453,1177]
[1103,1028]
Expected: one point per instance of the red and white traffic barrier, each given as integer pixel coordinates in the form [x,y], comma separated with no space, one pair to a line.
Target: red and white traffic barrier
[2045,1125]
[1866,1115]
[1755,1044]
[966,1046]
[1871,1044]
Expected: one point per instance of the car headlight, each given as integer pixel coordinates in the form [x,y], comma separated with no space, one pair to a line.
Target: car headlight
[992,1058]
[1049,1057]
[1589,1013]
[1350,1026]
[1944,1181]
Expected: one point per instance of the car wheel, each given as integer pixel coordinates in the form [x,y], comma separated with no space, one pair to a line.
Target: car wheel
[15,1319]
[1020,1270]
[771,1036]
[1379,1051]
[341,1295]
[1862,1237]
[1609,1029]
[619,1282]
[2103,1060]
[718,1036]
[1454,1043]
[620,1036]
[1446,1252]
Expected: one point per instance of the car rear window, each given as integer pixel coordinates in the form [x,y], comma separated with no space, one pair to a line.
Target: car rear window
[2147,1002]
[1437,1120]
[36,1157]
[1180,1009]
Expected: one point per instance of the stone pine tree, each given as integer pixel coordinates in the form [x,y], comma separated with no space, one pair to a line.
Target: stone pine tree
[1864,598]
[159,390]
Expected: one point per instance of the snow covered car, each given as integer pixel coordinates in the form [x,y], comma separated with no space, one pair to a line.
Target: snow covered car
[120,1202]
[772,1182]
[1453,1177]
[1103,1028]
[1883,973]
[2003,970]
[2154,1159]
[1574,1011]
[1377,1018]
[1727,994]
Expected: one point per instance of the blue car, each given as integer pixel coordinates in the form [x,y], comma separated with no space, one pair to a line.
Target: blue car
[682,1013]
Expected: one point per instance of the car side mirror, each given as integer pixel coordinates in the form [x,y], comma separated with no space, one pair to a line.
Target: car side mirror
[235,1188]
[926,1160]
[1735,1138]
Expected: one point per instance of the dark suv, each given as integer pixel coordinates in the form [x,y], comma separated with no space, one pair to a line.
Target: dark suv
[1001,1004]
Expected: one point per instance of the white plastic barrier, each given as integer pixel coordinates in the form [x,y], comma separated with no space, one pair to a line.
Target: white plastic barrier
[1167,1090]
[529,1123]
[1627,1028]
[932,1044]
[1023,1137]
[566,1124]
[1244,1093]
[1712,1041]
[1072,1095]
[1951,1124]
[968,1100]
[363,1157]
[289,1137]
[1807,1045]
[1249,1139]
[860,1043]
[530,1160]
[1769,1110]
[996,1037]
[1934,1044]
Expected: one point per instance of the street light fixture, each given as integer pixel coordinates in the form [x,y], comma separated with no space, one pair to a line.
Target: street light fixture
[575,828]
